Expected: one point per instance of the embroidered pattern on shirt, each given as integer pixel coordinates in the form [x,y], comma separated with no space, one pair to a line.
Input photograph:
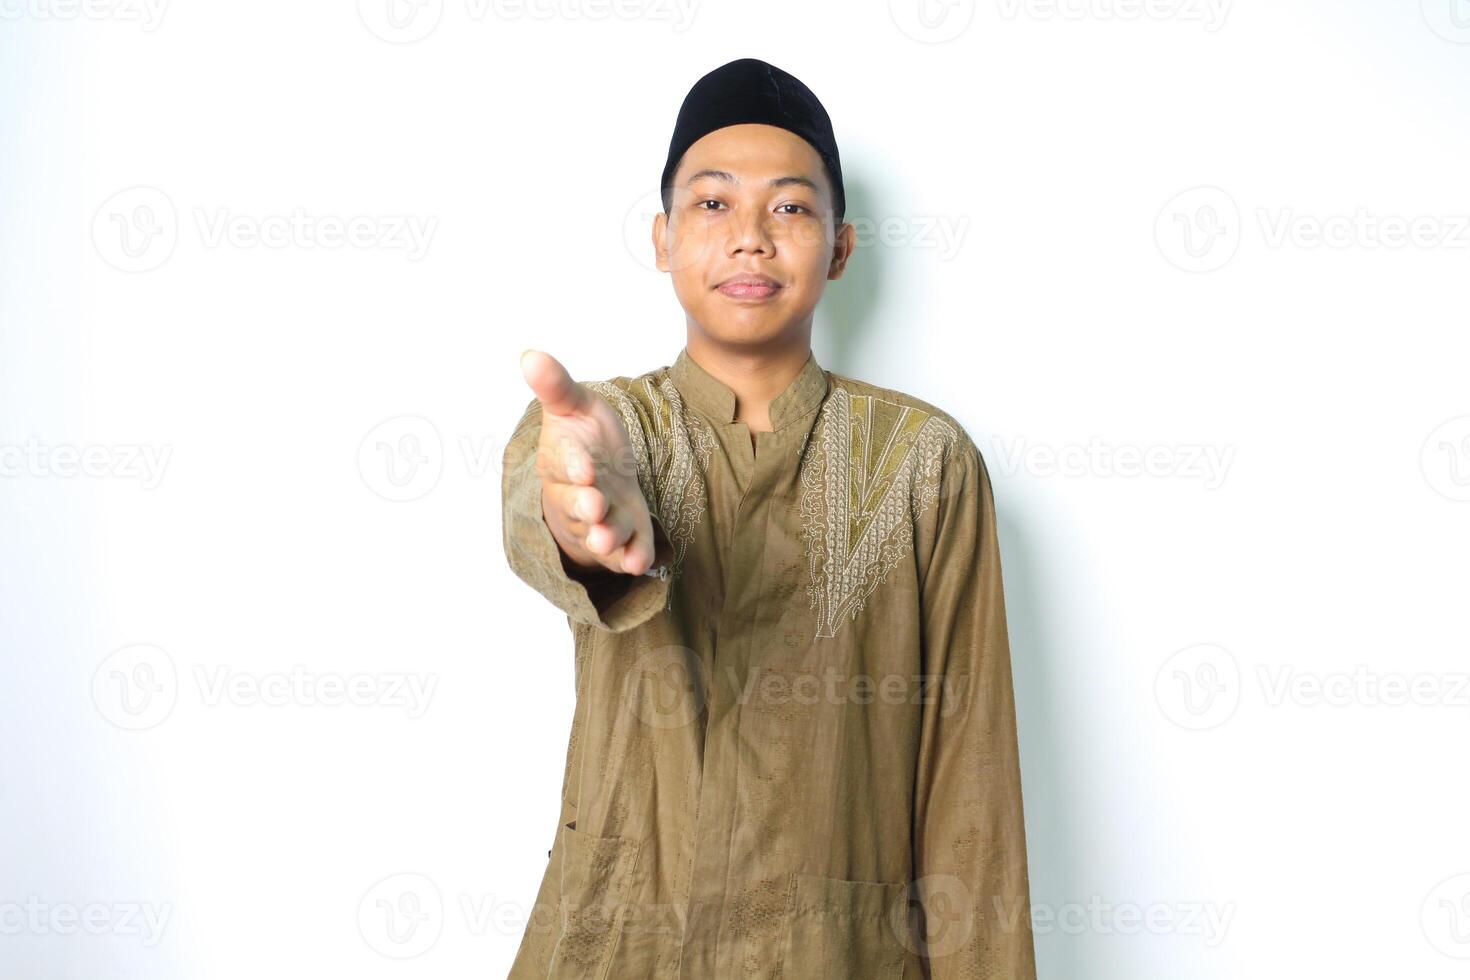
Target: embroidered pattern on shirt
[672,449]
[872,470]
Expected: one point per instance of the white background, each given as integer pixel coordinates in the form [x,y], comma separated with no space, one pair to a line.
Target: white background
[1221,778]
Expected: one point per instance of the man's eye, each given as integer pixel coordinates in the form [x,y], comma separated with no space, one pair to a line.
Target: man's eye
[708,200]
[798,207]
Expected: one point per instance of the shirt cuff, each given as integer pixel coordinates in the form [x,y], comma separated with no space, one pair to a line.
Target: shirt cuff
[608,600]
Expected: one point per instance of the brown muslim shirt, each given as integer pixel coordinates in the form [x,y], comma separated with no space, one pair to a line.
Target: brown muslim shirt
[794,751]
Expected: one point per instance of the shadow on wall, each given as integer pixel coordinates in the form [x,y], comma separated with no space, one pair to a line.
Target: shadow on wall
[845,320]
[845,316]
[1053,818]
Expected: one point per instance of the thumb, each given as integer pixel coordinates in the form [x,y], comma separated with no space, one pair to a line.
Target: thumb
[552,385]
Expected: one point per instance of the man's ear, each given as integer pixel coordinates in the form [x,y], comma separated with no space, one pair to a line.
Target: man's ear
[660,250]
[842,247]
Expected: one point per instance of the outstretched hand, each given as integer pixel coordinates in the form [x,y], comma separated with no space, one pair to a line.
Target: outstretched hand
[590,495]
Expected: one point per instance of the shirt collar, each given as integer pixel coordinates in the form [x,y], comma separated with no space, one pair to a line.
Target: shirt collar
[714,398]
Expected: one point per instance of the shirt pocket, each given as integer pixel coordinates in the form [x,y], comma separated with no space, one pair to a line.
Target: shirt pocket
[843,928]
[596,882]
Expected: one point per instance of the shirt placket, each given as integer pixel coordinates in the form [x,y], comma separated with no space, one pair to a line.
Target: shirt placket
[707,946]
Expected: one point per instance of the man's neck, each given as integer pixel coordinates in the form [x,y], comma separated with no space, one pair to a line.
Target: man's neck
[756,376]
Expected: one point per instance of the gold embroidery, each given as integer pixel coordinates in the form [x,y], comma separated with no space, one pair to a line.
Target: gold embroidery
[872,470]
[672,463]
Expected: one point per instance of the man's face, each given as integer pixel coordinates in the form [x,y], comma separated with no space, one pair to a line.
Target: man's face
[751,202]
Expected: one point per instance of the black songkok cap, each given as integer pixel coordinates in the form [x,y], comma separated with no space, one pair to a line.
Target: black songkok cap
[751,91]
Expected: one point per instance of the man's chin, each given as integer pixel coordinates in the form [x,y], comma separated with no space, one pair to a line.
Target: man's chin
[746,333]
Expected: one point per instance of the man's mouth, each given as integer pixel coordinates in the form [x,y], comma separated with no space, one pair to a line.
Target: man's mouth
[749,287]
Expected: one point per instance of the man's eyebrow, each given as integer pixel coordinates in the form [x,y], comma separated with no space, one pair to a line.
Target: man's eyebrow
[730,178]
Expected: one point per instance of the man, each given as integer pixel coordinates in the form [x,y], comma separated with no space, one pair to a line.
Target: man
[794,748]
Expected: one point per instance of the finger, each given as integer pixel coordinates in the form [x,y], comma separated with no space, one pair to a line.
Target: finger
[582,507]
[552,385]
[636,556]
[611,533]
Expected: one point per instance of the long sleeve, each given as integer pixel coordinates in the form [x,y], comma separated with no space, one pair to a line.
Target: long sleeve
[969,835]
[608,601]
